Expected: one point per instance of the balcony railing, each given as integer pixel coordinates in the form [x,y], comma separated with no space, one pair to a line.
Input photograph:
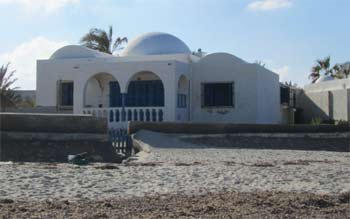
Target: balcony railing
[118,116]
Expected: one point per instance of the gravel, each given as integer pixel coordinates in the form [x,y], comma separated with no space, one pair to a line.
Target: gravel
[217,205]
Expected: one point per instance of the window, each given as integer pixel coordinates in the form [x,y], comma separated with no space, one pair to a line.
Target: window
[181,101]
[66,95]
[218,94]
[145,93]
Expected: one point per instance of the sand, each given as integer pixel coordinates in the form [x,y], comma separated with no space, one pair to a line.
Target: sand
[176,177]
[173,169]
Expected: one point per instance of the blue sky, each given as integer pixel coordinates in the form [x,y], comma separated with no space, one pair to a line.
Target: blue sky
[288,35]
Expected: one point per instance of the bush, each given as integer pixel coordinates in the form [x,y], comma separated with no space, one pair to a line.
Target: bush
[316,121]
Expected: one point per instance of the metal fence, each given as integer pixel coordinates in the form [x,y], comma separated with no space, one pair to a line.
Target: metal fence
[121,141]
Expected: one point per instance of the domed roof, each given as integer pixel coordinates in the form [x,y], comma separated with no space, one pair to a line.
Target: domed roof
[77,52]
[156,44]
[324,78]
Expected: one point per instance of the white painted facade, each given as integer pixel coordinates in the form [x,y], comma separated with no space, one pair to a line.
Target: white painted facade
[159,56]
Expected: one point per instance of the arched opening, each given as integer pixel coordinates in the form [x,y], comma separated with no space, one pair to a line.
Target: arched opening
[182,92]
[102,90]
[145,89]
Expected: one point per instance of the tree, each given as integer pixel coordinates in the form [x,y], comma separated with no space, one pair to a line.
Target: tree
[315,73]
[323,66]
[344,70]
[102,41]
[8,96]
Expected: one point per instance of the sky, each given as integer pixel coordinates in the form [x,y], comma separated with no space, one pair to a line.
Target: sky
[287,35]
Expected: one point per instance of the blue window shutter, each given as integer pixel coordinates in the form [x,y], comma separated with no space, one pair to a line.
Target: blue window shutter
[114,94]
[145,93]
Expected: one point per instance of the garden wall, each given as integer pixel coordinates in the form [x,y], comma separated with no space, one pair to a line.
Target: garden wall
[222,128]
[52,137]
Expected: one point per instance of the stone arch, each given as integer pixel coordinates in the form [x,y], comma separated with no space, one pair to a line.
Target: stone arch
[102,90]
[145,88]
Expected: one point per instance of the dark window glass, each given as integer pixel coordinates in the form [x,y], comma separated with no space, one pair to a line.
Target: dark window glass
[285,95]
[67,94]
[217,94]
[145,93]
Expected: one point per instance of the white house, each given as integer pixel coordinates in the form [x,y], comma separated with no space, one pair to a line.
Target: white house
[156,78]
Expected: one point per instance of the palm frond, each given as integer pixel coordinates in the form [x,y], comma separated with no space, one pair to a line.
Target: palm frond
[325,63]
[118,42]
[96,39]
[8,96]
[315,73]
[101,40]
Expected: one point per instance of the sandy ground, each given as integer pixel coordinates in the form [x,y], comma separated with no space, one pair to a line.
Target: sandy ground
[177,170]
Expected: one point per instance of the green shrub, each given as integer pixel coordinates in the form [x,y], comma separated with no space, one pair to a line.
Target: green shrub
[316,121]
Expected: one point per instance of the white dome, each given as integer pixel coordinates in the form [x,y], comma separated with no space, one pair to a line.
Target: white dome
[156,44]
[324,78]
[77,52]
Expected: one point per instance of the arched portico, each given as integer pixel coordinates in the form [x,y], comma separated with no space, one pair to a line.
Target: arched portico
[143,101]
[145,89]
[102,90]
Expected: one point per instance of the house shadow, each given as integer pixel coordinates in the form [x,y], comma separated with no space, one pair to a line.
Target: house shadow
[317,106]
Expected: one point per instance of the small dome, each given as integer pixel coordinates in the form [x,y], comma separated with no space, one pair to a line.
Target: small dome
[77,52]
[324,78]
[156,44]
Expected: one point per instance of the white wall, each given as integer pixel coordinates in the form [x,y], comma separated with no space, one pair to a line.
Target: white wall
[256,91]
[183,70]
[268,93]
[221,67]
[81,70]
[339,84]
[251,104]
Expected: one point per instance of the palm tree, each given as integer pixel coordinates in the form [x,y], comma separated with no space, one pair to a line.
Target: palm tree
[322,66]
[345,69]
[325,64]
[8,96]
[102,41]
[315,73]
[337,71]
[346,72]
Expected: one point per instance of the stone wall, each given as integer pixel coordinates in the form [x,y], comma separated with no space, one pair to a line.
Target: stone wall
[61,123]
[52,137]
[38,109]
[328,100]
[220,128]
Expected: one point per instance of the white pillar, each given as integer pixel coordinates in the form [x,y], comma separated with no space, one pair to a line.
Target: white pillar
[170,93]
[78,97]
